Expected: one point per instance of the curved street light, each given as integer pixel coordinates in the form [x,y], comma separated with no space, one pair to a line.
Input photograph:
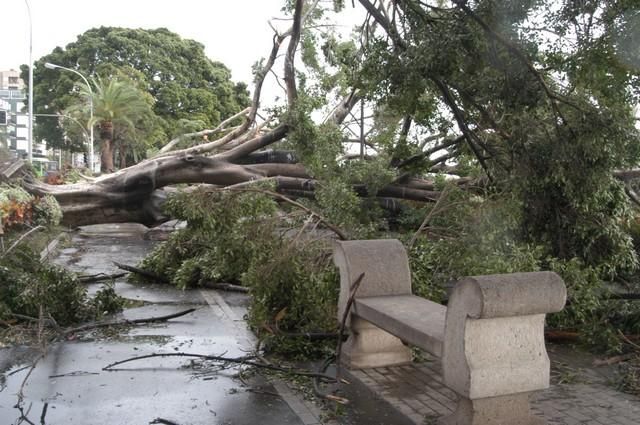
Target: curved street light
[49,65]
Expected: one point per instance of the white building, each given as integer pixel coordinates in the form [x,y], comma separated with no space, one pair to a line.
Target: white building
[13,99]
[10,80]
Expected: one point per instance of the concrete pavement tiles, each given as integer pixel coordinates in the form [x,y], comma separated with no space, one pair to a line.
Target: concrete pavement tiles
[417,391]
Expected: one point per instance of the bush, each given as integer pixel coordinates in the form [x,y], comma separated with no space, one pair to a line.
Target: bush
[15,206]
[18,207]
[294,290]
[244,238]
[29,287]
[47,211]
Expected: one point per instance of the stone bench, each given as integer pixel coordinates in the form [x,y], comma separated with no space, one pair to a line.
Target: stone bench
[490,338]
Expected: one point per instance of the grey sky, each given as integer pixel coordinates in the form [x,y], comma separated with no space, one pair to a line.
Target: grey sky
[234,32]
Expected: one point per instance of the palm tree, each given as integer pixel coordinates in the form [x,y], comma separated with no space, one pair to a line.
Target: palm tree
[116,103]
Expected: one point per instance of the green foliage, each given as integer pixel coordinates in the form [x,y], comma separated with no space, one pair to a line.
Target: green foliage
[10,193]
[242,237]
[469,237]
[479,237]
[47,211]
[294,289]
[219,242]
[587,311]
[182,81]
[556,116]
[30,287]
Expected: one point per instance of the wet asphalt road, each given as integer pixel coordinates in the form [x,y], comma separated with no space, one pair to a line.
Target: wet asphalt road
[71,381]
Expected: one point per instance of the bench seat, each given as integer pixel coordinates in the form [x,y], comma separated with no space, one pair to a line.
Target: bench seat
[414,320]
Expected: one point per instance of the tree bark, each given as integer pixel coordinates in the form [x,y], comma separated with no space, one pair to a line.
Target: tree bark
[106,147]
[136,194]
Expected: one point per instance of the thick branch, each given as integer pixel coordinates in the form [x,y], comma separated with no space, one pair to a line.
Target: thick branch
[462,124]
[626,175]
[425,154]
[253,145]
[344,107]
[169,146]
[289,66]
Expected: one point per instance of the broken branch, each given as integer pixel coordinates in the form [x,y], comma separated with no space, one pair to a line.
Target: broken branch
[238,360]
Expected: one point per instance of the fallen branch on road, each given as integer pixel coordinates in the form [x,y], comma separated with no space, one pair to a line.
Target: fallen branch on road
[99,277]
[239,360]
[141,272]
[163,421]
[226,287]
[126,322]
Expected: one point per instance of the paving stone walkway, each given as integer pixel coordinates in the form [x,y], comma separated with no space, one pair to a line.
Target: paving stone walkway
[417,391]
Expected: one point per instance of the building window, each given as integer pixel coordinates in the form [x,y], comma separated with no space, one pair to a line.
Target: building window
[13,80]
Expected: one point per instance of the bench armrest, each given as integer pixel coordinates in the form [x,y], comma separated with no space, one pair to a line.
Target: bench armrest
[494,333]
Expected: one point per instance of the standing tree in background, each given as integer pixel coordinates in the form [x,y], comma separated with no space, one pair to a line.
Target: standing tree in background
[189,89]
[117,104]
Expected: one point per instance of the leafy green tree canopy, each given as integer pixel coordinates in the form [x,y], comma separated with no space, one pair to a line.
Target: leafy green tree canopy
[184,83]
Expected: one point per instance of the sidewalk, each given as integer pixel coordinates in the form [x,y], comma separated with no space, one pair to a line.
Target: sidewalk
[71,381]
[69,385]
[417,391]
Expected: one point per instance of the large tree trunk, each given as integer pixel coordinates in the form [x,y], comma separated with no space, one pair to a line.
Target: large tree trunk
[134,194]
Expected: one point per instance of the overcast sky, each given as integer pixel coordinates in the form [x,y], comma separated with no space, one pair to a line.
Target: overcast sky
[234,32]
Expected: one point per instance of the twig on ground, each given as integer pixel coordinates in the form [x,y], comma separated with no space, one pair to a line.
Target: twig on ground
[99,277]
[74,373]
[259,391]
[44,413]
[141,272]
[24,416]
[126,322]
[238,360]
[226,287]
[628,340]
[19,404]
[613,360]
[163,421]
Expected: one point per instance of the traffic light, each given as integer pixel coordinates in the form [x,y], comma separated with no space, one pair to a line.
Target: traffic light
[3,117]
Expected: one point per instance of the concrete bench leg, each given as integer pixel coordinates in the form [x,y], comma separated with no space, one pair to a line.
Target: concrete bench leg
[369,346]
[510,409]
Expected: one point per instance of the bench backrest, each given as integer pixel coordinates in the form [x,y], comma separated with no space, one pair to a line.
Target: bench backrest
[384,262]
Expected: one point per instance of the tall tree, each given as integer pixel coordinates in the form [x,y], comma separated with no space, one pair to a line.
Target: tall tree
[185,84]
[531,99]
[117,103]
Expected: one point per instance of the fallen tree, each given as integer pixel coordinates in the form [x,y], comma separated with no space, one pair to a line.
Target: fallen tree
[447,93]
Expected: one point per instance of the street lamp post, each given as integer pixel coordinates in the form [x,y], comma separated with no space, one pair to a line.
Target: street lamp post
[30,136]
[54,66]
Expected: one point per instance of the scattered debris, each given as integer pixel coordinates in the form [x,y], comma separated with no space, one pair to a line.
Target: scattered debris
[244,360]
